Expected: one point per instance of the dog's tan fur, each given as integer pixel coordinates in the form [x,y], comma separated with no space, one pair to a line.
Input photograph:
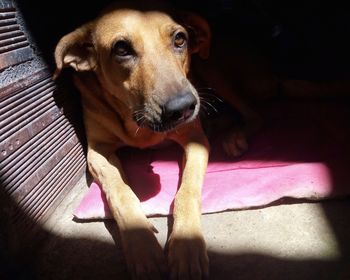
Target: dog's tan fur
[121,99]
[111,93]
[114,92]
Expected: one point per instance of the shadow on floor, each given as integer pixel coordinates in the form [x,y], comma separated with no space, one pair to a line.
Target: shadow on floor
[92,259]
[88,258]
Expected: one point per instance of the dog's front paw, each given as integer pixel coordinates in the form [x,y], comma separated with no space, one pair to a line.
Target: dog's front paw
[187,257]
[235,143]
[144,255]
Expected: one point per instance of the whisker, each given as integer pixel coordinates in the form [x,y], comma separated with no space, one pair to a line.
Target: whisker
[137,130]
[212,96]
[140,118]
[208,92]
[208,103]
[141,125]
[138,113]
[205,108]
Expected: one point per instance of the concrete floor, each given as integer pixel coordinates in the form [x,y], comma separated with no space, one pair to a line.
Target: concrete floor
[284,241]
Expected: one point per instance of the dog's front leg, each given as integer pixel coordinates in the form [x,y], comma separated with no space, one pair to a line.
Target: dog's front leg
[144,255]
[187,250]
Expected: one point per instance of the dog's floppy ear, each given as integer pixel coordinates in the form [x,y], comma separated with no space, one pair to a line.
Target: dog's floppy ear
[200,34]
[76,50]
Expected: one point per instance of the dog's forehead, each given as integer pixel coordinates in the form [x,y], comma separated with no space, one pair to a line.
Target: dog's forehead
[129,21]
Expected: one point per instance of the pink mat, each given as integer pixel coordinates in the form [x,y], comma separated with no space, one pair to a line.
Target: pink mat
[302,152]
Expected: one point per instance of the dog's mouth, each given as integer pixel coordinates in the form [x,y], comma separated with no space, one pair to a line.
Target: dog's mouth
[166,117]
[159,127]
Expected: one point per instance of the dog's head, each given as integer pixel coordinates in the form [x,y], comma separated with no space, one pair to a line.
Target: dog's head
[142,57]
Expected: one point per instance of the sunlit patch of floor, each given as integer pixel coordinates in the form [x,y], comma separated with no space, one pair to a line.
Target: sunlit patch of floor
[296,231]
[299,239]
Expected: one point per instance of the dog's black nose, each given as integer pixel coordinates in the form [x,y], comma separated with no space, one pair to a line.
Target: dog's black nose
[180,107]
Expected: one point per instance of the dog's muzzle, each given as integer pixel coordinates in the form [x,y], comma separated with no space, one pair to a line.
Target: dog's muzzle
[175,111]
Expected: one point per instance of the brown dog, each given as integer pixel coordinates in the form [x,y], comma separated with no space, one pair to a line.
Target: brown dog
[132,68]
[132,71]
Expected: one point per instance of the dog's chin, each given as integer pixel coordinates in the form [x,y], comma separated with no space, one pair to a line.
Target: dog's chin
[161,128]
[165,127]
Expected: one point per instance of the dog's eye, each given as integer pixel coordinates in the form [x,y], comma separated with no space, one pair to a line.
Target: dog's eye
[122,48]
[180,40]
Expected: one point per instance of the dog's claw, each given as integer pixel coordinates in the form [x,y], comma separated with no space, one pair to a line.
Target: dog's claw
[188,258]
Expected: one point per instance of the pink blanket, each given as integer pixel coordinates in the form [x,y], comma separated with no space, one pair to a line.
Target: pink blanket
[302,152]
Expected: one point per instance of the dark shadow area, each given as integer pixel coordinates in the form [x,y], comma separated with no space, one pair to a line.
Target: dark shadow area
[67,98]
[338,218]
[304,39]
[49,21]
[264,267]
[40,254]
[140,173]
[11,258]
